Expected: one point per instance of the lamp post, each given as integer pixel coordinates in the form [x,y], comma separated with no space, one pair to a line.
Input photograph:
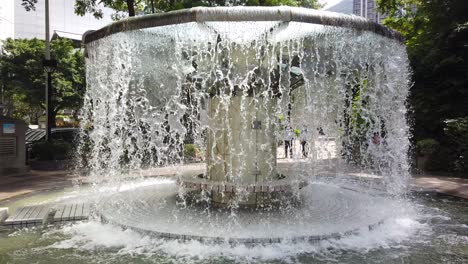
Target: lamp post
[1,96]
[49,66]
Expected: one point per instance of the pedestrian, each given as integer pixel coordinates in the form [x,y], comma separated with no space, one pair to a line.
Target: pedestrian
[288,136]
[303,139]
[376,138]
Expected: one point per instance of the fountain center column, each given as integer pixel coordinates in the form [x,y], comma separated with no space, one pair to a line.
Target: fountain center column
[242,145]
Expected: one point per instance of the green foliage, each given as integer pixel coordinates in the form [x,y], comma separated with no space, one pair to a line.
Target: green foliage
[191,151]
[356,124]
[358,105]
[121,7]
[124,8]
[457,132]
[427,146]
[436,34]
[297,132]
[44,150]
[281,118]
[23,76]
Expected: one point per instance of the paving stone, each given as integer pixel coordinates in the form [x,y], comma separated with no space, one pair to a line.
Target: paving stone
[58,213]
[28,216]
[79,212]
[3,214]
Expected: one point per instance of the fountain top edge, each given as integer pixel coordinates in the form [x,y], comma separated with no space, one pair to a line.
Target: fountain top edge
[238,14]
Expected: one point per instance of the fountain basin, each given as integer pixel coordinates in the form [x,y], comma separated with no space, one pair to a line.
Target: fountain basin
[321,211]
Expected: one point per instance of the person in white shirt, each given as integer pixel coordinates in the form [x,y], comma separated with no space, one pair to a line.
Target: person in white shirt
[288,137]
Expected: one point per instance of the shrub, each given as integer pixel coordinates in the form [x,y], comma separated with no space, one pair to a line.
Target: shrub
[457,132]
[297,132]
[191,151]
[427,146]
[51,150]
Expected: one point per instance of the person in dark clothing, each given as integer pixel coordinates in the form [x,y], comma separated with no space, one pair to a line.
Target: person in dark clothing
[303,139]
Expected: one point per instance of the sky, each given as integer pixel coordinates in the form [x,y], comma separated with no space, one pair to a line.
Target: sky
[328,3]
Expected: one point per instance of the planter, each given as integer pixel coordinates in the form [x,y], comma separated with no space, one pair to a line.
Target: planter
[421,162]
[50,164]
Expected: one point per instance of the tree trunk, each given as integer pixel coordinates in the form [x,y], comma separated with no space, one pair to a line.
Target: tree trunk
[131,7]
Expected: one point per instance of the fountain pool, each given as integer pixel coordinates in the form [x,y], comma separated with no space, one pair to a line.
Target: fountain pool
[431,229]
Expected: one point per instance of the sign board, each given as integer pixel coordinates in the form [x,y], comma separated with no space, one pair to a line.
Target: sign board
[8,128]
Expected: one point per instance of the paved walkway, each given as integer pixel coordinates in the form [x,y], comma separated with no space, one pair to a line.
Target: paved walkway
[14,186]
[442,184]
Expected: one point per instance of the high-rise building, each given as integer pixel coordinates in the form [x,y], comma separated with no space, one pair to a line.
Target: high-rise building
[367,9]
[16,22]
[339,6]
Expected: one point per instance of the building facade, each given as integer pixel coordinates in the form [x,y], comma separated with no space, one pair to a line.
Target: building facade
[367,9]
[341,6]
[16,22]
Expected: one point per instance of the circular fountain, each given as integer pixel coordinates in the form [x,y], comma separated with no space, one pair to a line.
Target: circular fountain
[228,81]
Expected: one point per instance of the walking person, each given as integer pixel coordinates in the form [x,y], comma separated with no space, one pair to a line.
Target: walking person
[303,139]
[288,137]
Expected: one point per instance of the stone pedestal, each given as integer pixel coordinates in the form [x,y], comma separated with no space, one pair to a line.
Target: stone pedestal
[241,144]
[12,146]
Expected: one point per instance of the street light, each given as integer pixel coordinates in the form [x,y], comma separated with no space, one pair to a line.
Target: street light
[1,96]
[49,66]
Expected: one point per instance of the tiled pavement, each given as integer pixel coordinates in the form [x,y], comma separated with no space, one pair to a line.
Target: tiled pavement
[442,184]
[12,186]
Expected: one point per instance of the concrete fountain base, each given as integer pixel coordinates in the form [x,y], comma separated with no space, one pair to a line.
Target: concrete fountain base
[321,212]
[226,194]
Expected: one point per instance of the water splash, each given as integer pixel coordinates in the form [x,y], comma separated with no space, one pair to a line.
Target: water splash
[151,91]
[230,89]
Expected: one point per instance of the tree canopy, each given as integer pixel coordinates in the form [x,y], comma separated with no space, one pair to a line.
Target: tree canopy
[436,34]
[125,8]
[22,73]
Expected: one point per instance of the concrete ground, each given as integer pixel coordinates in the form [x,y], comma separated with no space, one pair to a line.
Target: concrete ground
[442,184]
[16,186]
[13,186]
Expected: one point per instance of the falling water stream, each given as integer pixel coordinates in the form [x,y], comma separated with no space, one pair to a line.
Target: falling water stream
[232,89]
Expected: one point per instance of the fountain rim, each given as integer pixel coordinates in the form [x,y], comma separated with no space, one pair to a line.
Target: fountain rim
[239,14]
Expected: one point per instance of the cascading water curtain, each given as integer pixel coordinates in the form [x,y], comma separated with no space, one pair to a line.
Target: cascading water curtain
[153,91]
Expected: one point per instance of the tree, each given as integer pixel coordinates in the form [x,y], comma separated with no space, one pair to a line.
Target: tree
[120,6]
[436,34]
[23,76]
[134,7]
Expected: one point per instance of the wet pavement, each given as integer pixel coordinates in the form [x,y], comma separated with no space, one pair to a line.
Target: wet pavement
[441,184]
[15,186]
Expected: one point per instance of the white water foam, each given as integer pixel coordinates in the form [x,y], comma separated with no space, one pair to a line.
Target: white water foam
[89,236]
